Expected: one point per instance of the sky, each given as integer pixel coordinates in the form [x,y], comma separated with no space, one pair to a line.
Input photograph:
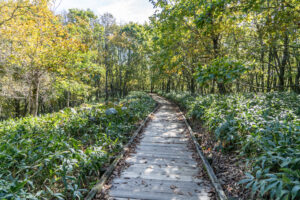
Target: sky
[123,10]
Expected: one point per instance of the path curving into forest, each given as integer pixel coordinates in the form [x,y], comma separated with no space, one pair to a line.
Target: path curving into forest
[163,165]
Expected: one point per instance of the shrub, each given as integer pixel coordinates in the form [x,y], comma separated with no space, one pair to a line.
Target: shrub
[61,155]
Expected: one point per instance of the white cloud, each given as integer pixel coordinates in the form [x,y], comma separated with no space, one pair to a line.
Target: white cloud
[122,10]
[128,10]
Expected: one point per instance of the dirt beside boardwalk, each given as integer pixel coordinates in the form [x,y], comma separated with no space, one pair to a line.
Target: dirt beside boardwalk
[229,168]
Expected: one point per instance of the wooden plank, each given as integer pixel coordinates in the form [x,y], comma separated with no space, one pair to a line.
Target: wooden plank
[164,155]
[156,148]
[155,152]
[162,142]
[168,189]
[197,183]
[157,195]
[147,169]
[165,140]
[159,176]
[118,198]
[164,136]
[163,145]
[166,161]
[166,186]
[164,166]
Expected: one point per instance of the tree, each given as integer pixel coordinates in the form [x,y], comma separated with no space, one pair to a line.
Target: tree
[39,45]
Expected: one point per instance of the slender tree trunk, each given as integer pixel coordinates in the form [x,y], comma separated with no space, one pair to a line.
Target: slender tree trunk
[125,84]
[68,98]
[257,82]
[25,107]
[297,80]
[274,82]
[168,85]
[151,82]
[17,107]
[238,86]
[106,73]
[215,39]
[284,62]
[213,86]
[269,71]
[193,85]
[222,88]
[120,83]
[262,56]
[35,94]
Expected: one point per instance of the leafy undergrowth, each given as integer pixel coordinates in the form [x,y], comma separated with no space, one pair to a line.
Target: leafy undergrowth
[264,128]
[61,155]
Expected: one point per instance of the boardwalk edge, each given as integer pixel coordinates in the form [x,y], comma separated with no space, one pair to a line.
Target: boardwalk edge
[98,187]
[213,178]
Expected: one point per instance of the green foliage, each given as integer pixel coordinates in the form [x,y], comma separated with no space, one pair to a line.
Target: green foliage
[60,155]
[223,70]
[265,128]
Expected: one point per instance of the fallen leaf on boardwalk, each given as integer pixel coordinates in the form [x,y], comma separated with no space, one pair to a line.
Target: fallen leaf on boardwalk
[178,192]
[106,187]
[173,187]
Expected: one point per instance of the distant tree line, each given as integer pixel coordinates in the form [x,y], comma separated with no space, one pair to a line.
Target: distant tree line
[49,61]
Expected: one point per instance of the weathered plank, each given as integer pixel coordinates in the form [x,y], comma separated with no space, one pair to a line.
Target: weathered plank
[165,161]
[162,148]
[158,195]
[164,155]
[159,176]
[168,170]
[171,140]
[163,145]
[163,183]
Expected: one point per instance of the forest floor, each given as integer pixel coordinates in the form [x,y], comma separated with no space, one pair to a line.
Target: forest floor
[163,165]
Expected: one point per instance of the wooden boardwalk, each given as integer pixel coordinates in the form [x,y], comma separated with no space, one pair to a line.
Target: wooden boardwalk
[163,166]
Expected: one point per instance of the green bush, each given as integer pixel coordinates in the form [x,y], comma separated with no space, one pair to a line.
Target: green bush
[263,127]
[61,155]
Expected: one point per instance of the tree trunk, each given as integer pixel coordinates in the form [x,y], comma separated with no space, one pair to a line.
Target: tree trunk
[284,62]
[215,40]
[17,107]
[269,71]
[35,94]
[222,88]
[25,107]
[193,85]
[168,85]
[106,73]
[297,80]
[238,86]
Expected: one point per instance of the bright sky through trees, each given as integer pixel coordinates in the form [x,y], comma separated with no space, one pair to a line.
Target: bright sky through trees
[123,10]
